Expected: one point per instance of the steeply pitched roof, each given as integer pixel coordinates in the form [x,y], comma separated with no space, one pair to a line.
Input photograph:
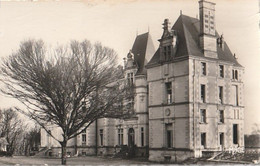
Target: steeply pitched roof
[143,50]
[187,29]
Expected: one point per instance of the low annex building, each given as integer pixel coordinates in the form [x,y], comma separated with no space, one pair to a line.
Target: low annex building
[188,97]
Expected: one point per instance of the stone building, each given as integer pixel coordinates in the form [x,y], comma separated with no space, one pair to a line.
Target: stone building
[188,96]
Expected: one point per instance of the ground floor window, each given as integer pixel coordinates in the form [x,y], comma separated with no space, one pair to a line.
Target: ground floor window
[120,137]
[101,137]
[221,139]
[169,135]
[203,140]
[84,139]
[235,134]
[142,136]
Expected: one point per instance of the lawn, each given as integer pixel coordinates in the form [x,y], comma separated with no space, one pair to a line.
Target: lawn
[70,161]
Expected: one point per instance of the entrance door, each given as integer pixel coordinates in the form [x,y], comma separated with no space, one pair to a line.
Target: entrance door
[131,137]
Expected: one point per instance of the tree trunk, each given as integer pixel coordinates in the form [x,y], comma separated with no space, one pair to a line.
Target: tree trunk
[63,152]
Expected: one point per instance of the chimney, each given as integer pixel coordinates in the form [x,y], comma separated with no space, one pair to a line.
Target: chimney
[208,42]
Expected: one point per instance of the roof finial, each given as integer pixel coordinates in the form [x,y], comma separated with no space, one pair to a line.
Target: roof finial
[148,28]
[180,12]
[235,56]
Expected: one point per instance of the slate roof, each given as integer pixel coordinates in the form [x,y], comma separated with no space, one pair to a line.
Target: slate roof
[143,50]
[188,30]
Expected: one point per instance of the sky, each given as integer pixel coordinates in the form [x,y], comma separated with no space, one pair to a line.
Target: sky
[116,23]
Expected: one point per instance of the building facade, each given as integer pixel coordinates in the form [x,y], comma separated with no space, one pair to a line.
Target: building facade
[188,96]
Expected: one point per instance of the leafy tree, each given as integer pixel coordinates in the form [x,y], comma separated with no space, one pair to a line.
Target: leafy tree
[69,86]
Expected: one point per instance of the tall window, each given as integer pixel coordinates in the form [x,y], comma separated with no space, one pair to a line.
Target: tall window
[203,116]
[221,139]
[221,71]
[235,95]
[236,114]
[120,136]
[203,68]
[221,116]
[202,93]
[101,137]
[220,94]
[142,136]
[169,92]
[169,137]
[84,137]
[203,140]
[167,52]
[234,74]
[130,78]
[235,134]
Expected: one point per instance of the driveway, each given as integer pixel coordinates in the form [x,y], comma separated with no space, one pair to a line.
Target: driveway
[70,161]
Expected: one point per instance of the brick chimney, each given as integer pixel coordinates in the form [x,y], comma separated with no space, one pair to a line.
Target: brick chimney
[208,41]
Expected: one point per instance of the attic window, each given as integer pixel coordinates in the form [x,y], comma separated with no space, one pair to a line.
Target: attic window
[167,52]
[130,78]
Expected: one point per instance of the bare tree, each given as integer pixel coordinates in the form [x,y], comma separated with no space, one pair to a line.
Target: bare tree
[70,86]
[11,129]
[31,141]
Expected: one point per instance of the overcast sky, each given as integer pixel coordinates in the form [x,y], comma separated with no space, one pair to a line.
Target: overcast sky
[116,23]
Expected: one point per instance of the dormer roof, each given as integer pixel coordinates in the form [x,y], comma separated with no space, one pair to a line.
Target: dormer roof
[188,31]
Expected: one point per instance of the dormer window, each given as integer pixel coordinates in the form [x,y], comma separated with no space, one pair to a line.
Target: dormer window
[130,78]
[167,52]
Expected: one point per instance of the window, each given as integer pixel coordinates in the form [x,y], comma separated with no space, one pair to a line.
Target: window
[169,49]
[203,116]
[203,68]
[221,71]
[220,94]
[120,136]
[235,95]
[169,92]
[168,135]
[142,136]
[101,137]
[165,53]
[235,134]
[221,139]
[221,116]
[84,139]
[130,78]
[234,74]
[202,93]
[236,114]
[203,140]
